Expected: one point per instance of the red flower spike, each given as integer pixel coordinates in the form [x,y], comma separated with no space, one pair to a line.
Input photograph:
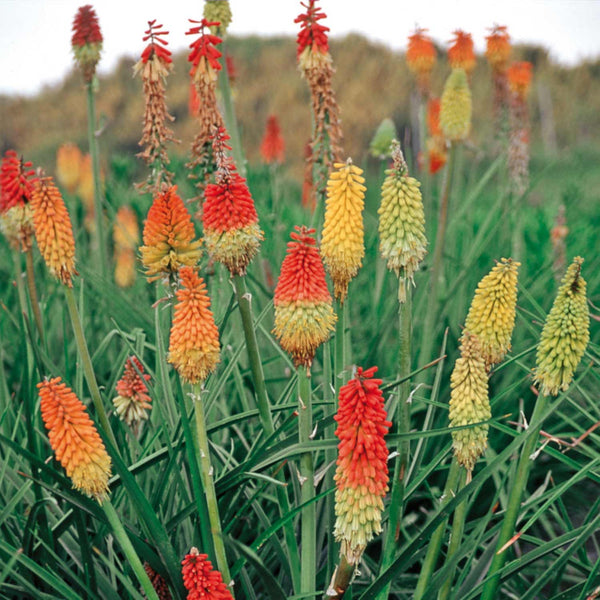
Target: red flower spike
[312,34]
[86,29]
[16,183]
[201,580]
[157,44]
[362,472]
[204,46]
[273,146]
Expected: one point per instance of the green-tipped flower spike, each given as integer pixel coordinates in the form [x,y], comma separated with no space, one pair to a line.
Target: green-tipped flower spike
[218,11]
[565,334]
[401,221]
[456,107]
[469,402]
[381,144]
[492,314]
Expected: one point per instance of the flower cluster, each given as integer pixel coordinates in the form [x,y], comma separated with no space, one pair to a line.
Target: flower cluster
[272,148]
[362,473]
[421,57]
[194,341]
[201,580]
[74,439]
[231,231]
[86,41]
[461,54]
[168,236]
[401,222]
[342,246]
[456,106]
[16,189]
[304,316]
[68,166]
[218,12]
[126,234]
[132,402]
[436,142]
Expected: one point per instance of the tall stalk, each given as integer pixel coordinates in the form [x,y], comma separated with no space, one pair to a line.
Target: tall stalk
[127,547]
[517,490]
[308,529]
[266,419]
[98,203]
[207,473]
[339,359]
[33,297]
[435,544]
[428,341]
[396,509]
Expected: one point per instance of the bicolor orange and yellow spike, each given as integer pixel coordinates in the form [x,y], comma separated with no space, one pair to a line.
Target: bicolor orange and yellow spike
[362,473]
[74,439]
[168,236]
[53,230]
[194,341]
[304,317]
[342,245]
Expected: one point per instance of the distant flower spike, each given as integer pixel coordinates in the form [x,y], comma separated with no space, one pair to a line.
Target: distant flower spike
[362,473]
[461,54]
[194,341]
[272,148]
[132,402]
[74,439]
[469,402]
[381,144]
[168,236]
[565,335]
[304,317]
[219,12]
[16,189]
[436,143]
[498,48]
[401,222]
[158,583]
[201,580]
[492,314]
[456,107]
[421,57]
[342,246]
[86,41]
[231,231]
[519,78]
[68,166]
[53,231]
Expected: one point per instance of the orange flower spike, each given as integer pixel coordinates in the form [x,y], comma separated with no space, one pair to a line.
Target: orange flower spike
[519,78]
[231,231]
[194,342]
[16,188]
[273,147]
[433,117]
[132,401]
[168,236]
[53,230]
[74,439]
[68,166]
[421,57]
[304,317]
[498,48]
[362,473]
[126,232]
[461,54]
[201,580]
[86,41]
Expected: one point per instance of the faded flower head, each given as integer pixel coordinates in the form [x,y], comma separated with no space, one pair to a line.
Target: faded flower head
[132,402]
[304,317]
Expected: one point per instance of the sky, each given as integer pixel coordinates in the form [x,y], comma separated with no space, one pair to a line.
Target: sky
[35,45]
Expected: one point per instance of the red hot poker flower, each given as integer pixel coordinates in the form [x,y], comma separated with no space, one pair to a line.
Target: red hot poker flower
[461,54]
[15,181]
[498,48]
[204,55]
[157,45]
[362,472]
[312,34]
[519,78]
[273,146]
[132,401]
[86,41]
[421,56]
[201,580]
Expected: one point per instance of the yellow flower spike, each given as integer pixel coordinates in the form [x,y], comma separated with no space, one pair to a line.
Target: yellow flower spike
[492,314]
[401,222]
[456,107]
[469,402]
[342,245]
[565,335]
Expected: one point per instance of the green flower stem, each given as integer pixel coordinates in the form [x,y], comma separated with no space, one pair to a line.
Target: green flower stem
[396,509]
[266,419]
[427,342]
[230,118]
[127,547]
[458,526]
[208,480]
[98,204]
[339,361]
[86,363]
[341,579]
[307,474]
[435,544]
[517,489]
[33,297]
